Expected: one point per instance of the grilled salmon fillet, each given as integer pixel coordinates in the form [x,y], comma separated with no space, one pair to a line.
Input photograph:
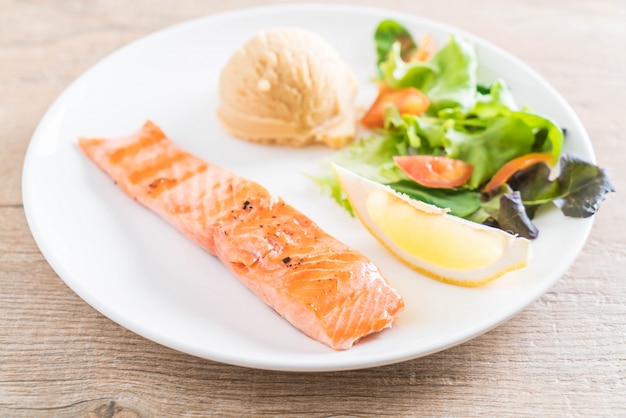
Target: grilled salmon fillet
[321,286]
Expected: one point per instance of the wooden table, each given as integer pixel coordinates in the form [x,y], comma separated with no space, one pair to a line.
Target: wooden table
[563,355]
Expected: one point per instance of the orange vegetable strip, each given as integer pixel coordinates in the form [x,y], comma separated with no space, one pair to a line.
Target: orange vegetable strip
[507,170]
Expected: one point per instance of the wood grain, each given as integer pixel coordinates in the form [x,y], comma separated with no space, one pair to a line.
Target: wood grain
[565,355]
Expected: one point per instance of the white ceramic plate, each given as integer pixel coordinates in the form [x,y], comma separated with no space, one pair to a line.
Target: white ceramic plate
[140,272]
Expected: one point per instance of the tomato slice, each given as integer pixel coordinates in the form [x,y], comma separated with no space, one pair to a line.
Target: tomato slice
[434,171]
[516,164]
[408,100]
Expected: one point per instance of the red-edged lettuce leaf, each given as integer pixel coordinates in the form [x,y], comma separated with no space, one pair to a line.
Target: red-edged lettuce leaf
[387,33]
[507,212]
[578,190]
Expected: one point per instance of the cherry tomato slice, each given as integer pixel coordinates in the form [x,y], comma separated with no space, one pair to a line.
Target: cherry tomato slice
[408,100]
[516,164]
[434,171]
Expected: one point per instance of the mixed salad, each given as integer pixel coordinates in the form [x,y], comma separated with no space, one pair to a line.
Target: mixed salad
[441,137]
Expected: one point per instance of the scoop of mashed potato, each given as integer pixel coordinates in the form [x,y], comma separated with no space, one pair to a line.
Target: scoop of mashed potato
[288,86]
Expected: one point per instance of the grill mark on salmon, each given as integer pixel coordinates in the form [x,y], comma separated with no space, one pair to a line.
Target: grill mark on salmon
[320,285]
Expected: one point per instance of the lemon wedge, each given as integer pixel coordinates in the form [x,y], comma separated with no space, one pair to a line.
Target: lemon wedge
[430,240]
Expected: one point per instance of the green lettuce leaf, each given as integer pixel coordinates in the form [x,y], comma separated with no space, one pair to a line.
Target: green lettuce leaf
[461,203]
[500,102]
[455,86]
[487,150]
[397,73]
[414,135]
